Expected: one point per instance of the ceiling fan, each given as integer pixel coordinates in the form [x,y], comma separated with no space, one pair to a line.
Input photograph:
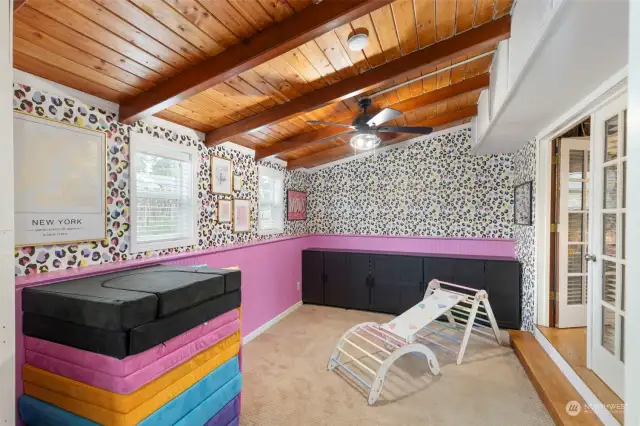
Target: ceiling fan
[365,127]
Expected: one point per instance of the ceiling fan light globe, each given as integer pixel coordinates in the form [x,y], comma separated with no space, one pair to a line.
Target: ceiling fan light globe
[365,141]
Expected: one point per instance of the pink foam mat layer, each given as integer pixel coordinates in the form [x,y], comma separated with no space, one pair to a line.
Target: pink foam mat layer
[130,364]
[139,378]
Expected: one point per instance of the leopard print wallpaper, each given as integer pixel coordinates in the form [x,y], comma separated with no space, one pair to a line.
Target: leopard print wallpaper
[525,170]
[434,187]
[30,260]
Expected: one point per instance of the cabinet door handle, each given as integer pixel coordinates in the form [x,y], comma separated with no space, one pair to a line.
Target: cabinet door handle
[324,278]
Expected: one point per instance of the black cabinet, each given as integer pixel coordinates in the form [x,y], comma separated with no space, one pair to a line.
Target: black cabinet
[396,284]
[335,279]
[503,297]
[312,277]
[469,273]
[393,282]
[436,268]
[346,280]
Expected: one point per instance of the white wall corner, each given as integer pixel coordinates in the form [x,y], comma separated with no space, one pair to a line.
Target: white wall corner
[7,240]
[632,319]
[264,327]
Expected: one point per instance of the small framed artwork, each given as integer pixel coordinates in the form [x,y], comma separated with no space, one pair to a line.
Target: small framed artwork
[241,216]
[221,175]
[523,207]
[224,211]
[237,182]
[296,205]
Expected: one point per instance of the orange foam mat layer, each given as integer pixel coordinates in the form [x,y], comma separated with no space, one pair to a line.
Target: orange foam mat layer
[89,402]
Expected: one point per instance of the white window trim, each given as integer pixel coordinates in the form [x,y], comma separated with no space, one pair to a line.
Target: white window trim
[139,142]
[275,174]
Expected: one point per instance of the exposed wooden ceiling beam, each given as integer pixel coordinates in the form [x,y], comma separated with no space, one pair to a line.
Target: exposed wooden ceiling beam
[477,38]
[17,4]
[300,28]
[431,98]
[338,152]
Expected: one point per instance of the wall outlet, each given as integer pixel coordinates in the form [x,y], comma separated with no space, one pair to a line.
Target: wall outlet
[298,285]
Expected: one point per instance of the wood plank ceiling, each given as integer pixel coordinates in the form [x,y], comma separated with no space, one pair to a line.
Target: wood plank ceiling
[119,49]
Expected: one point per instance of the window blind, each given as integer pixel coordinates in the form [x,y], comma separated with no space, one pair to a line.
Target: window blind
[270,200]
[163,202]
[163,196]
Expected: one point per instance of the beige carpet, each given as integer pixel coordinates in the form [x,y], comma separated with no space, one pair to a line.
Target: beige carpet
[286,381]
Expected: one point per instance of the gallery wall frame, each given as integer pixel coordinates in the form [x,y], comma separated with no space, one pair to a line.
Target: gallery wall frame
[522,204]
[225,209]
[221,175]
[241,216]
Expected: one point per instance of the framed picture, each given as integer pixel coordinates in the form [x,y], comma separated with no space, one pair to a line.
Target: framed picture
[237,182]
[241,216]
[224,211]
[221,175]
[52,204]
[523,208]
[296,205]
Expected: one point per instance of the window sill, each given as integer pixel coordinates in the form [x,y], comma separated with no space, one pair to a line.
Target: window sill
[270,232]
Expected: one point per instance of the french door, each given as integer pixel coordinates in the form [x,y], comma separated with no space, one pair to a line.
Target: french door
[607,253]
[572,232]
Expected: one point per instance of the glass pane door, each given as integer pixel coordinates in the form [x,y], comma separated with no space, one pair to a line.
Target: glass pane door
[607,334]
[572,232]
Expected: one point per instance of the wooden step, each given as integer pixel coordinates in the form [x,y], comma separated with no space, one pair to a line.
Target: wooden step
[552,386]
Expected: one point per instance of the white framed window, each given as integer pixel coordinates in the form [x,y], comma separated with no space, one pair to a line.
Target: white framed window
[270,201]
[163,207]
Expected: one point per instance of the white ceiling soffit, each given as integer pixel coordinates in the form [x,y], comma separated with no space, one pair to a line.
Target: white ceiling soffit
[585,43]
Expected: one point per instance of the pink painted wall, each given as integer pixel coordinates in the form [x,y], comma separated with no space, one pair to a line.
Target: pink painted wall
[270,270]
[428,245]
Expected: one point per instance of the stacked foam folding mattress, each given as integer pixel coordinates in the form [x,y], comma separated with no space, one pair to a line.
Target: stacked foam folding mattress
[148,346]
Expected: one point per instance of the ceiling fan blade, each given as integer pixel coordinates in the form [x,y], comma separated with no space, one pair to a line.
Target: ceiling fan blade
[406,129]
[330,124]
[384,116]
[339,135]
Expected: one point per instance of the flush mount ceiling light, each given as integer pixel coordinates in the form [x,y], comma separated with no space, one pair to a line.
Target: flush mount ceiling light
[365,141]
[357,42]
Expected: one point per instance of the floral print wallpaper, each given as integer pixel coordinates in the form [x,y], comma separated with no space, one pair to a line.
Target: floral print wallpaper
[434,187]
[525,171]
[30,260]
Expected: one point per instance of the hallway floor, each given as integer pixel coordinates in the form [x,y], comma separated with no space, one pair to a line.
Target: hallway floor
[286,381]
[571,343]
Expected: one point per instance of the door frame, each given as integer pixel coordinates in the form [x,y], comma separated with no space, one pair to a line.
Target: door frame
[566,145]
[611,88]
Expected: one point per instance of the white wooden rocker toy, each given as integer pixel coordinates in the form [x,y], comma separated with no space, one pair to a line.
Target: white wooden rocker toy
[467,310]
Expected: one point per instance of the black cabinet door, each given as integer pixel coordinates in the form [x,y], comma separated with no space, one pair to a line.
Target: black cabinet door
[397,283]
[335,278]
[437,269]
[312,280]
[346,280]
[503,287]
[469,273]
[357,288]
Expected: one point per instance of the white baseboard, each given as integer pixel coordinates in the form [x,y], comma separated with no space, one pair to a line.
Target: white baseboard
[264,327]
[589,397]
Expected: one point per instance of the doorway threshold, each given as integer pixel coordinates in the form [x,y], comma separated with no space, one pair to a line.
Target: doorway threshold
[568,349]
